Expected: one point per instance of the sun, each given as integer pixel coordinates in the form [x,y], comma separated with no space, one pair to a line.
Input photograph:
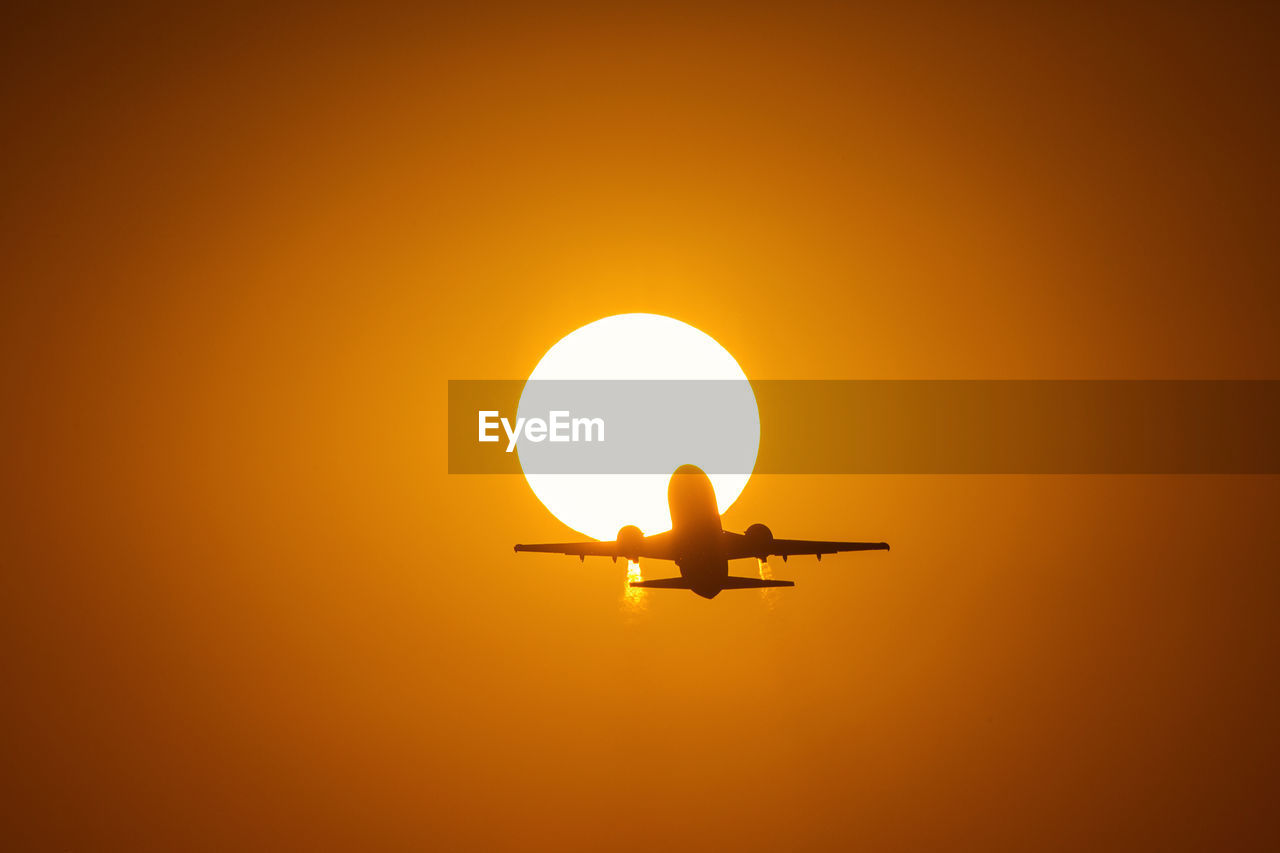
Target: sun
[628,347]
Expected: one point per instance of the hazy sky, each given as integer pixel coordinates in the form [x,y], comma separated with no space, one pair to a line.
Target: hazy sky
[244,605]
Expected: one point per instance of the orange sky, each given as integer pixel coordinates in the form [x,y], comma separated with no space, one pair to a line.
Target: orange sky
[245,606]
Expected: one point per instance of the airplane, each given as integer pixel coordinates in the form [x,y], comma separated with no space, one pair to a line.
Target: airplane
[700,547]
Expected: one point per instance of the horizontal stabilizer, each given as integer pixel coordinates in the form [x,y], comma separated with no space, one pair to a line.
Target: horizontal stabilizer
[664,583]
[732,582]
[728,583]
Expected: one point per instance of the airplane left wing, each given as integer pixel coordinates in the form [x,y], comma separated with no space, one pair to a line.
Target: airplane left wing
[575,549]
[656,547]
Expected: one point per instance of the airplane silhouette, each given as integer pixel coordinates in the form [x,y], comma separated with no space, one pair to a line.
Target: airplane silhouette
[700,547]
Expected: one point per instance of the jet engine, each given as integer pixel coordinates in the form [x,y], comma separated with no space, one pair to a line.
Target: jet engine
[759,539]
[629,541]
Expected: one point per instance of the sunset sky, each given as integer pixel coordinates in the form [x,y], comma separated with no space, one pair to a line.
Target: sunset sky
[245,606]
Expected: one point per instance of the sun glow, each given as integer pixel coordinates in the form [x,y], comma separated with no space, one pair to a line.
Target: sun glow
[627,347]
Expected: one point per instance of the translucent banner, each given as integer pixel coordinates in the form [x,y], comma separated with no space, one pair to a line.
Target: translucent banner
[865,427]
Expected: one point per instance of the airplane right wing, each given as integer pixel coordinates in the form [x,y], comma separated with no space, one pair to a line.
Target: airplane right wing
[795,547]
[738,545]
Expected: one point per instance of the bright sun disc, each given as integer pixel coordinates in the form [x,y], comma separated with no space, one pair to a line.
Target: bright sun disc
[628,347]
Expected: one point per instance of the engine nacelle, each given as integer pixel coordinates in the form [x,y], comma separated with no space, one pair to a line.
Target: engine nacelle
[759,539]
[629,541]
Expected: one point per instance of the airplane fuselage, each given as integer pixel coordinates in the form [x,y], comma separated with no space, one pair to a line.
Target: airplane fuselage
[696,529]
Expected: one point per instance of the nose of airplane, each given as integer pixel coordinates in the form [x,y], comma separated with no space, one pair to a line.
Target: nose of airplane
[707,591]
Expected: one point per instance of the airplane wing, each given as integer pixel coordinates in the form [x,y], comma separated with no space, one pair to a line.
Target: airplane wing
[656,547]
[792,547]
[739,546]
[578,549]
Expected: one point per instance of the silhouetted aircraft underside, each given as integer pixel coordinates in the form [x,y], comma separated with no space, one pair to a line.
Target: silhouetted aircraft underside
[697,543]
